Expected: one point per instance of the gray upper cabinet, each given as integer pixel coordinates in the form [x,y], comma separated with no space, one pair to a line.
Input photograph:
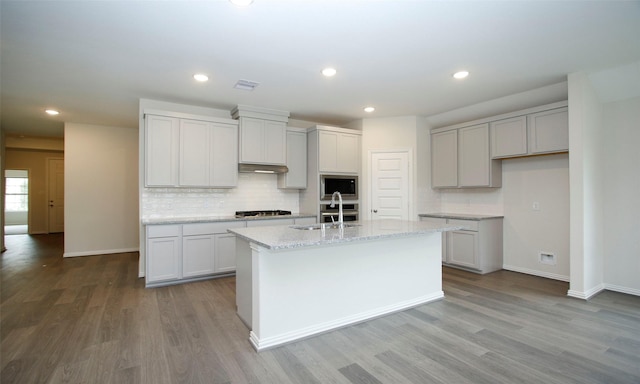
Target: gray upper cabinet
[509,137]
[549,131]
[263,135]
[532,134]
[444,159]
[262,141]
[475,167]
[161,143]
[460,158]
[339,151]
[467,155]
[296,154]
[190,153]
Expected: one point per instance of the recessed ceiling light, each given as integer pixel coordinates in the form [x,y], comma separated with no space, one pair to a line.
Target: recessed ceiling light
[369,109]
[241,3]
[461,74]
[201,77]
[52,112]
[328,72]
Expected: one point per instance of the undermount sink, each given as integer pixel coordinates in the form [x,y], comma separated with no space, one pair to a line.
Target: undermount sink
[313,227]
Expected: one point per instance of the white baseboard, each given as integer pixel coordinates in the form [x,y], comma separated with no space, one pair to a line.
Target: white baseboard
[617,288]
[274,341]
[586,295]
[534,272]
[99,252]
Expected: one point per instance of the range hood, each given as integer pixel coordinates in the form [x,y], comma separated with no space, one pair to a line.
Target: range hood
[262,168]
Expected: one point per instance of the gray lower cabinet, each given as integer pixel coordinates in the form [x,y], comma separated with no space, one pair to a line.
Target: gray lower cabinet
[164,253]
[177,253]
[225,251]
[476,248]
[183,252]
[198,255]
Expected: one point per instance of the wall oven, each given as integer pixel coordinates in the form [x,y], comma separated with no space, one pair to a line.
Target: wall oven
[347,185]
[349,213]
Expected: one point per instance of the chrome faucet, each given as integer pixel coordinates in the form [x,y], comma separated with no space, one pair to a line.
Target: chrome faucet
[333,204]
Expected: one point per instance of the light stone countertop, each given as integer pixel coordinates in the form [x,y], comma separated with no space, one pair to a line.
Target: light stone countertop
[460,216]
[287,236]
[152,220]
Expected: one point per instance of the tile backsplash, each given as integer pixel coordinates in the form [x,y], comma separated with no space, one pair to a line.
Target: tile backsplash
[254,192]
[472,200]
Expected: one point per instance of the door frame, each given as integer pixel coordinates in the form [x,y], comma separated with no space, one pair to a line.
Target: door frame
[369,201]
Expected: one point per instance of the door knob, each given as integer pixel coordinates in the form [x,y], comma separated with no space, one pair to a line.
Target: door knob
[375,211]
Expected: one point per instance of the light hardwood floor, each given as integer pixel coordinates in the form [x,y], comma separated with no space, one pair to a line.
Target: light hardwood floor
[90,320]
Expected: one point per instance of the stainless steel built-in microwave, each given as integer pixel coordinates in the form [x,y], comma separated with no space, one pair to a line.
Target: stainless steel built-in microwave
[347,185]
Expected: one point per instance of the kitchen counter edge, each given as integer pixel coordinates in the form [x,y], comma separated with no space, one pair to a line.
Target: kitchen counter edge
[460,216]
[283,237]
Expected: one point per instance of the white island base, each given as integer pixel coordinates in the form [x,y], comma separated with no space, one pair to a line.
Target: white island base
[288,294]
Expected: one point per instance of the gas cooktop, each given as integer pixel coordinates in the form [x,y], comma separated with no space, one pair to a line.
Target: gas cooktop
[262,213]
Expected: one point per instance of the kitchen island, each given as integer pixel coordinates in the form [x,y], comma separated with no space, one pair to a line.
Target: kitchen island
[296,281]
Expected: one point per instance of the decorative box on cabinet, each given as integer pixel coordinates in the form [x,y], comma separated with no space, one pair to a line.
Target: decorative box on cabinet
[296,178]
[334,150]
[262,135]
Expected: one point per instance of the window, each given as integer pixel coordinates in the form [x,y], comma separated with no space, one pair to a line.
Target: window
[17,191]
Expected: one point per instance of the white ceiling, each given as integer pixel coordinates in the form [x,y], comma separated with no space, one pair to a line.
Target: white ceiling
[93,60]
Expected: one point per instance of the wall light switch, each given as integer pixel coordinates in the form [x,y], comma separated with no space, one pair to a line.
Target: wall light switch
[535,206]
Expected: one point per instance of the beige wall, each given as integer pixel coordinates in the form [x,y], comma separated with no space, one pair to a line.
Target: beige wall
[397,134]
[621,192]
[36,162]
[527,232]
[101,190]
[2,162]
[586,170]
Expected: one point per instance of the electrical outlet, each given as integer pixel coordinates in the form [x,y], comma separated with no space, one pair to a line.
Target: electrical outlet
[535,206]
[547,258]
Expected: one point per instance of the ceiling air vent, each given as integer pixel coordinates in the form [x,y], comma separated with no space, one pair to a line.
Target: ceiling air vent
[246,85]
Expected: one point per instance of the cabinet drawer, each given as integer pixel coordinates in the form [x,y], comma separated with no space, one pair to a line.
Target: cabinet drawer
[434,220]
[469,225]
[163,230]
[210,228]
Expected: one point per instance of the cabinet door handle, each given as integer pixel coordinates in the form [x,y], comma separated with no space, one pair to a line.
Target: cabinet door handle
[375,211]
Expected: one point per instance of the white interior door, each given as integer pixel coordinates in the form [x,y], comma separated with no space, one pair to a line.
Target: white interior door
[390,185]
[55,180]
